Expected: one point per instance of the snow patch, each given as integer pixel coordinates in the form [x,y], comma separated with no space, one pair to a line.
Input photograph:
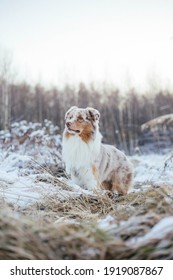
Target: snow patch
[159,231]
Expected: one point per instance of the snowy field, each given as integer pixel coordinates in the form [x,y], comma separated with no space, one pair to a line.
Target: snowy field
[27,168]
[31,172]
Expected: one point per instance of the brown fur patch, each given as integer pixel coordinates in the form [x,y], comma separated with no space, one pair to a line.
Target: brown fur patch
[94,170]
[128,179]
[106,185]
[85,129]
[118,185]
[68,134]
[121,189]
[86,132]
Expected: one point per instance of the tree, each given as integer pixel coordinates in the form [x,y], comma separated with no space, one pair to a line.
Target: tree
[5,77]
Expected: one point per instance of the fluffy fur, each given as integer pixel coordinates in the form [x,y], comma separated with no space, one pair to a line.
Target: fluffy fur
[90,163]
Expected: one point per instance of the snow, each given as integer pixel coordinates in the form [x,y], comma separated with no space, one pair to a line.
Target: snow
[14,162]
[159,231]
[25,173]
[4,177]
[153,169]
[107,222]
[22,161]
[161,120]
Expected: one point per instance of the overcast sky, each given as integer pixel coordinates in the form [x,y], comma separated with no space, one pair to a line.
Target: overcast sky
[124,42]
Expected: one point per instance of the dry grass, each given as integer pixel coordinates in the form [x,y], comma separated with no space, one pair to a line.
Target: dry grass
[92,207]
[71,228]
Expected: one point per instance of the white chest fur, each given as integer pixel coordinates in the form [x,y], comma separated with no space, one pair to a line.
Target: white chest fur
[76,153]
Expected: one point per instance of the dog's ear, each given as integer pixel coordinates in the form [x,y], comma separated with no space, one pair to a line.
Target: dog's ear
[93,113]
[71,109]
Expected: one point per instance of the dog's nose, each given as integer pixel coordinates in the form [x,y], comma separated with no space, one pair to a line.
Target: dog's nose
[68,124]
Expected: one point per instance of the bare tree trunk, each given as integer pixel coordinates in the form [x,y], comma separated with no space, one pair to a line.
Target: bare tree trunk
[130,129]
[5,106]
[39,103]
[5,78]
[123,133]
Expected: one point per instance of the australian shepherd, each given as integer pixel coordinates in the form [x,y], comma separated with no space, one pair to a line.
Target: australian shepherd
[90,163]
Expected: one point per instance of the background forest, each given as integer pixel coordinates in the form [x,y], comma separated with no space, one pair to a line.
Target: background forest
[122,113]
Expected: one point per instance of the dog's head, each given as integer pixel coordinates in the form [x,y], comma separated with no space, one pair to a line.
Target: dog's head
[81,121]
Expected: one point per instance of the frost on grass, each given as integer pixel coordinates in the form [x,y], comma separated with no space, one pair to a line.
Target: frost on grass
[45,216]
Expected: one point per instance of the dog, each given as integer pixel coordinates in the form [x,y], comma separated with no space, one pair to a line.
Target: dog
[90,163]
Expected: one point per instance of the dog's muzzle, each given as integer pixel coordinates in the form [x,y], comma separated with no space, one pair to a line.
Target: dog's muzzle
[68,124]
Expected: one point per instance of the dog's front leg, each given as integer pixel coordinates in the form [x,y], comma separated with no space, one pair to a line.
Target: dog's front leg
[84,177]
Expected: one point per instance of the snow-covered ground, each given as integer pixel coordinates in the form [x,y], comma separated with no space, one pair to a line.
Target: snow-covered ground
[30,159]
[30,151]
[153,169]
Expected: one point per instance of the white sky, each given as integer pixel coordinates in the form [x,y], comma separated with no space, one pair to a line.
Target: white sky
[124,42]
